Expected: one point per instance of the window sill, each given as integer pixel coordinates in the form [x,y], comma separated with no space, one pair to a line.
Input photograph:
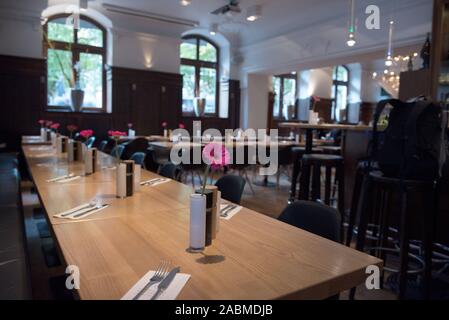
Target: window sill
[63,110]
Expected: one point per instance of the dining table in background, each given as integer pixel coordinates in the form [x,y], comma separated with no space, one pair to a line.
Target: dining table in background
[253,257]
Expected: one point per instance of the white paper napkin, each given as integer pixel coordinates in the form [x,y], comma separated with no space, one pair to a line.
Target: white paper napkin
[68,179]
[69,214]
[230,213]
[170,293]
[152,184]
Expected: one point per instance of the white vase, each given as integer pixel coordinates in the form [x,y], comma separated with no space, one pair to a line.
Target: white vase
[197,240]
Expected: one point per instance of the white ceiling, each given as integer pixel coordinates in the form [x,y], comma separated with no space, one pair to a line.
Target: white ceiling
[279,16]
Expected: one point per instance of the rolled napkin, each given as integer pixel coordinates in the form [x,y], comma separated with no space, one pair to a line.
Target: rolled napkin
[226,213]
[91,161]
[125,179]
[173,290]
[66,176]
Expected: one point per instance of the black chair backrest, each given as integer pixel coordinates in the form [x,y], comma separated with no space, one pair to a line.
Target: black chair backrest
[102,145]
[313,217]
[90,142]
[285,156]
[139,158]
[136,145]
[170,170]
[231,187]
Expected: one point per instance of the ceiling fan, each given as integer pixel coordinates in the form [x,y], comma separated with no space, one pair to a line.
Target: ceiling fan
[230,9]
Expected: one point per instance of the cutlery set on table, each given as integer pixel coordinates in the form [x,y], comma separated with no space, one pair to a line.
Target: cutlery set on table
[82,211]
[227,211]
[154,181]
[165,283]
[65,178]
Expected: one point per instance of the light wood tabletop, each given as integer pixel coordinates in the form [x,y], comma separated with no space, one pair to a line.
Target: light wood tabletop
[326,126]
[253,256]
[34,140]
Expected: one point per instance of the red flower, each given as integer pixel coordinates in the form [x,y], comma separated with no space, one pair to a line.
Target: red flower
[72,127]
[113,133]
[41,122]
[48,123]
[216,155]
[130,125]
[86,133]
[55,126]
[164,124]
[181,126]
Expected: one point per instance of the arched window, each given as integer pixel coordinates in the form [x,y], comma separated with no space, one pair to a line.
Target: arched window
[340,92]
[76,54]
[199,67]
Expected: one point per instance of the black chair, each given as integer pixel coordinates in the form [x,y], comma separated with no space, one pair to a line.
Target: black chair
[117,151]
[231,187]
[133,146]
[102,145]
[314,217]
[170,170]
[139,158]
[90,142]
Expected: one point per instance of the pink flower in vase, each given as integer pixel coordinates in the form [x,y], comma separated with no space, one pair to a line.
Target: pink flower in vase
[216,155]
[41,122]
[48,123]
[116,134]
[130,125]
[164,124]
[55,126]
[181,126]
[86,134]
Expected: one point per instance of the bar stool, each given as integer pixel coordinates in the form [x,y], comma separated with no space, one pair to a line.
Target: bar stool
[375,183]
[311,165]
[298,152]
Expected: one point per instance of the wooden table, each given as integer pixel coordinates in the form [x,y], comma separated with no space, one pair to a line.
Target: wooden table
[34,140]
[253,257]
[149,138]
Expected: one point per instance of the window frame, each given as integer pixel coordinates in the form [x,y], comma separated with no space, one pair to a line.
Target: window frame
[198,64]
[76,50]
[283,77]
[339,83]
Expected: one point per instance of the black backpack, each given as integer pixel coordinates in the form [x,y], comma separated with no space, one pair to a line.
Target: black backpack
[414,144]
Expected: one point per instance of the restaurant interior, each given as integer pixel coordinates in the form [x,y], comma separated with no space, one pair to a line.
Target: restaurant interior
[224,150]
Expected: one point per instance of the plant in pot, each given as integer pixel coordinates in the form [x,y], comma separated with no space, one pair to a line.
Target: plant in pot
[71,74]
[199,106]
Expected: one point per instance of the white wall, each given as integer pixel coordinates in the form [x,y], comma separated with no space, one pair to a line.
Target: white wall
[255,101]
[320,83]
[145,51]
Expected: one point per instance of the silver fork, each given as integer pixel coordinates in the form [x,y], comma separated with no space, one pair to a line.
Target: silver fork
[161,272]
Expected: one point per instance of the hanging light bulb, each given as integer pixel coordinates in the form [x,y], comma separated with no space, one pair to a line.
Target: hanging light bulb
[389,59]
[351,38]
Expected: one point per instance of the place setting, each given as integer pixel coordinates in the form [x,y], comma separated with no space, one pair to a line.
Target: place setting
[228,210]
[164,283]
[154,182]
[65,178]
[83,210]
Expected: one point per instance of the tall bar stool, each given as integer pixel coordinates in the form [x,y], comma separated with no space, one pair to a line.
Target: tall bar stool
[310,181]
[384,188]
[298,152]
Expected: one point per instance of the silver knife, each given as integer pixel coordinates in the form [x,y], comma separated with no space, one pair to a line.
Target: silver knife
[90,210]
[225,213]
[163,285]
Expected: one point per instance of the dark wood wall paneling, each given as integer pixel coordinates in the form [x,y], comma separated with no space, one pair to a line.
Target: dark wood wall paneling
[144,98]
